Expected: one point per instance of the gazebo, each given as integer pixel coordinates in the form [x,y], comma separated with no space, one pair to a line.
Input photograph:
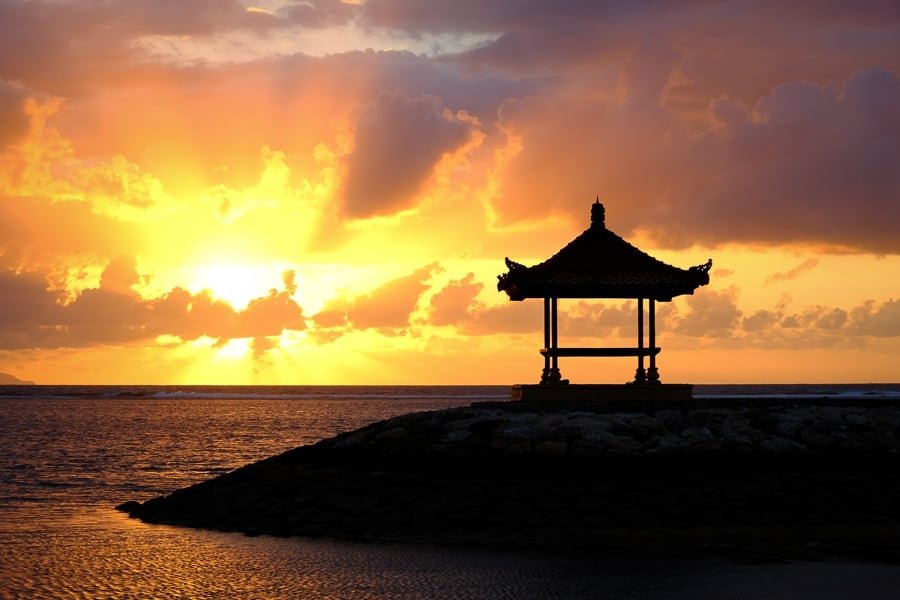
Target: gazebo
[600,264]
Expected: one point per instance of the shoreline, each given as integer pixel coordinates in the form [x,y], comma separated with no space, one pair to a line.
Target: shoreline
[726,477]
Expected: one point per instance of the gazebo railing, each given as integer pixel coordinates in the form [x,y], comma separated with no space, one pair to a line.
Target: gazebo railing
[552,352]
[600,351]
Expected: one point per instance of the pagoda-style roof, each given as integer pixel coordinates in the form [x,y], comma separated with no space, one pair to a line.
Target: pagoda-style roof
[600,264]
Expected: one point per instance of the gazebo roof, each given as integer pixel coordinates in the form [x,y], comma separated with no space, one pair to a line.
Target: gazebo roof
[600,264]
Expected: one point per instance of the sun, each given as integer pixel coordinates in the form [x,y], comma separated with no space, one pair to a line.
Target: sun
[235,283]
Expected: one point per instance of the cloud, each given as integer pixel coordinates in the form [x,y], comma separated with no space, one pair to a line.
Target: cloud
[320,13]
[881,320]
[821,326]
[387,308]
[456,305]
[14,119]
[398,142]
[34,316]
[818,40]
[761,320]
[37,232]
[809,163]
[61,47]
[7,379]
[44,167]
[450,306]
[600,319]
[268,316]
[807,265]
[562,152]
[509,318]
[710,314]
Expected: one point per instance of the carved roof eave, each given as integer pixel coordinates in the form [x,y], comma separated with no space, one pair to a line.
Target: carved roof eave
[663,293]
[600,264]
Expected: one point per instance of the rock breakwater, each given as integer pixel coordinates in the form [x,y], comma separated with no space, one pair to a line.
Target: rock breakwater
[789,479]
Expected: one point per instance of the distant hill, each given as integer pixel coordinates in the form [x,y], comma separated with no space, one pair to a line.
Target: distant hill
[7,379]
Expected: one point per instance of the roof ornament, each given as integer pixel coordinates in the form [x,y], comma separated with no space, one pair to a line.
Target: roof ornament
[704,268]
[513,265]
[598,214]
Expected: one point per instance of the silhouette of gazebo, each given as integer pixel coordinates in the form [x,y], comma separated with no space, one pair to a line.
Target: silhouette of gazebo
[600,264]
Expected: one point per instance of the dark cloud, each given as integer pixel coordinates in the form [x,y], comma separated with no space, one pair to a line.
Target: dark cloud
[27,310]
[721,126]
[61,46]
[761,320]
[399,139]
[435,16]
[7,379]
[812,318]
[319,13]
[33,316]
[765,42]
[821,326]
[14,120]
[809,163]
[880,320]
[176,17]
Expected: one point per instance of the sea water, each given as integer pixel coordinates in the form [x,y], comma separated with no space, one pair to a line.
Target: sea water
[69,454]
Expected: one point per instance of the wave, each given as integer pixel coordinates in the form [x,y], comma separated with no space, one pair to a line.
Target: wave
[419,393]
[463,393]
[795,391]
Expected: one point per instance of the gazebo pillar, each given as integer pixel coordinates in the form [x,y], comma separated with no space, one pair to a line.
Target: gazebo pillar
[652,372]
[640,375]
[555,376]
[551,374]
[545,374]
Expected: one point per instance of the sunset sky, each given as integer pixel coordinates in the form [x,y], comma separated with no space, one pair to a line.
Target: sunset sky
[323,191]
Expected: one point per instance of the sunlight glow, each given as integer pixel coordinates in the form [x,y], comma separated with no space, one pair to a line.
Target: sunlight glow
[234,349]
[236,284]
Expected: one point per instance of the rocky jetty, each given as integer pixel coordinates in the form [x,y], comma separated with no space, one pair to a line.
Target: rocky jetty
[784,479]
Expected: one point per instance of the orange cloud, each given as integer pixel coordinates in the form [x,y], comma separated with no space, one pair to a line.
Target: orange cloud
[450,306]
[710,314]
[388,308]
[807,265]
[33,316]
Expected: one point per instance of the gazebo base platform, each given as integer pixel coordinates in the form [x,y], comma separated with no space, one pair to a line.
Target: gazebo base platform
[605,395]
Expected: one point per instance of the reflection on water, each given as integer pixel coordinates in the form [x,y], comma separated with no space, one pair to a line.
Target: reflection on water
[103,554]
[65,462]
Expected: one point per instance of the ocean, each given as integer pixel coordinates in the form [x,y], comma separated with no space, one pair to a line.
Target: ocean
[69,454]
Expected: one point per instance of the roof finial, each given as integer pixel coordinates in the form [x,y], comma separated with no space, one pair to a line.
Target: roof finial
[598,214]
